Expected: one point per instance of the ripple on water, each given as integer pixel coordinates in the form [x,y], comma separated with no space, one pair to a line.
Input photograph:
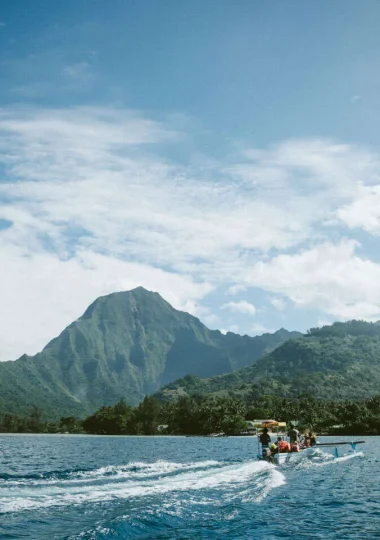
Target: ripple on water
[130,487]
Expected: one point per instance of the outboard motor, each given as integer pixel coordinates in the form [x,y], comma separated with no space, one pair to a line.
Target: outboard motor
[266,453]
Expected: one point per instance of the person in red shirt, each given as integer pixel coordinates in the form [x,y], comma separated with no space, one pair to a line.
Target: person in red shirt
[282,445]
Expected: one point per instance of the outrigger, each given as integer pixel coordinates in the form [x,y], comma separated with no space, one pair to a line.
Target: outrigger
[340,443]
[279,458]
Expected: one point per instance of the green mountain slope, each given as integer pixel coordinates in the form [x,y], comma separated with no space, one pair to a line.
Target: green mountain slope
[333,362]
[126,344]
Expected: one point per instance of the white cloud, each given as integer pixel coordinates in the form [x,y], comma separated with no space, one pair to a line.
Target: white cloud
[240,307]
[278,303]
[40,294]
[328,277]
[86,170]
[323,322]
[259,329]
[92,182]
[364,212]
[235,289]
[316,167]
[232,328]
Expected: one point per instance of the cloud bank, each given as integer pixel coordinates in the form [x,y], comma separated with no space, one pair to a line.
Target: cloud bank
[93,203]
[241,307]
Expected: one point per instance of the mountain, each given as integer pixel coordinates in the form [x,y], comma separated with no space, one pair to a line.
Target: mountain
[126,344]
[333,362]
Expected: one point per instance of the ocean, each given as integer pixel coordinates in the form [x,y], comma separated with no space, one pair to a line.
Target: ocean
[93,487]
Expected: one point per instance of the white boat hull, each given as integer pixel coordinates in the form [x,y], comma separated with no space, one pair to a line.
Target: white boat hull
[282,458]
[285,457]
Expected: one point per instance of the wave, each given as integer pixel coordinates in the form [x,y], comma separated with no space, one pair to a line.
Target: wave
[320,458]
[131,470]
[249,480]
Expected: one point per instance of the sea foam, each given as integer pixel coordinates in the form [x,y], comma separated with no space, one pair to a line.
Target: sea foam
[251,480]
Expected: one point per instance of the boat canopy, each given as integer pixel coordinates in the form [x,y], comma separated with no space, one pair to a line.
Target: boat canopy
[269,424]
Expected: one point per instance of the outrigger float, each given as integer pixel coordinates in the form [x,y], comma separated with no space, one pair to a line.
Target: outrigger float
[279,458]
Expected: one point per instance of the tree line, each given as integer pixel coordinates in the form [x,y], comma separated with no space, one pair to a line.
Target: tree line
[202,415]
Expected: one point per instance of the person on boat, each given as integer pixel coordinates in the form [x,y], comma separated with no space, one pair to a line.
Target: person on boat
[293,434]
[274,448]
[283,446]
[312,438]
[264,438]
[305,441]
[295,446]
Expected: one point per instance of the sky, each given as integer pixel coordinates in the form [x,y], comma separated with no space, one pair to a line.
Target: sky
[223,153]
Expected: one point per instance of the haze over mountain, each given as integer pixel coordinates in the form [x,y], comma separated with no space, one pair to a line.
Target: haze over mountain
[332,362]
[126,344]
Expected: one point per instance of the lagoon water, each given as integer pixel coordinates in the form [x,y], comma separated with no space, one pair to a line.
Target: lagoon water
[89,487]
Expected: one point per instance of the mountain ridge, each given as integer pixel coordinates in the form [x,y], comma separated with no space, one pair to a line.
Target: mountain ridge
[339,361]
[126,344]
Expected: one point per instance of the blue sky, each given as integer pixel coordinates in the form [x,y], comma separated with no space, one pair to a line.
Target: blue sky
[223,153]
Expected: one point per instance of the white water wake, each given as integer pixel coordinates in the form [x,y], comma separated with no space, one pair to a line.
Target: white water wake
[320,458]
[250,480]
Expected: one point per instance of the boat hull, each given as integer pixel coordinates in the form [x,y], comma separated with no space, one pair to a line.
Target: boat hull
[285,457]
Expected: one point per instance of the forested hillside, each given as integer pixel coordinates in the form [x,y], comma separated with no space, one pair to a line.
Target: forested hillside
[333,362]
[126,345]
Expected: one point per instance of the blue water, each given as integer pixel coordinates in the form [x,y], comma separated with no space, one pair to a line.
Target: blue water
[86,487]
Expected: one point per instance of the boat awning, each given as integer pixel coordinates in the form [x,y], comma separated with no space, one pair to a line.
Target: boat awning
[270,424]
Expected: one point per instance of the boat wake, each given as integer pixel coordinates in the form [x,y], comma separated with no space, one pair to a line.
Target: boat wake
[214,480]
[320,458]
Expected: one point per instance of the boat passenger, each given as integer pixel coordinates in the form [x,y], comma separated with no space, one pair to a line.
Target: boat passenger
[283,446]
[312,439]
[273,448]
[293,434]
[295,447]
[264,437]
[305,441]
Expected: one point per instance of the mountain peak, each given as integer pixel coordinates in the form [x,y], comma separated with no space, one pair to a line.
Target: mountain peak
[127,344]
[141,290]
[139,294]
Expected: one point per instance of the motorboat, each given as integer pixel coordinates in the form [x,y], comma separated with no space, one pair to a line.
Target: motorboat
[276,457]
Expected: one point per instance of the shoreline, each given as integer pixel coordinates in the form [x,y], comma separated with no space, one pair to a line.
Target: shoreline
[166,436]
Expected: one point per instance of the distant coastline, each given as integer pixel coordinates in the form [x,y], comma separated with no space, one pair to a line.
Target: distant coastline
[203,416]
